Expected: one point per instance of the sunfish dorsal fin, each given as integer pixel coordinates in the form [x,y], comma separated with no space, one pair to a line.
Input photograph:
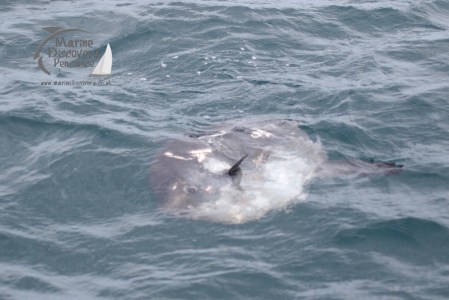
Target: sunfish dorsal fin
[236,167]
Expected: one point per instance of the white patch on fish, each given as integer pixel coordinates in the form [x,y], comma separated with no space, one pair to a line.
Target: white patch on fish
[201,154]
[258,133]
[170,154]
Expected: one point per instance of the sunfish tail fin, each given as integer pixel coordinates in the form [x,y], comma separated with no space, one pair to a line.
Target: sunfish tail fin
[358,167]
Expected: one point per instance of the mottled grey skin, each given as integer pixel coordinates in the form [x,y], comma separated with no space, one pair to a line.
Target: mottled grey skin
[190,171]
[229,143]
[190,179]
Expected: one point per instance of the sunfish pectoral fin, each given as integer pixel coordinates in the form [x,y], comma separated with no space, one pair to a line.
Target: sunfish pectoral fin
[234,170]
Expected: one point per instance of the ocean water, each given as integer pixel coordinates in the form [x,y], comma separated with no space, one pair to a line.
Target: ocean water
[368,79]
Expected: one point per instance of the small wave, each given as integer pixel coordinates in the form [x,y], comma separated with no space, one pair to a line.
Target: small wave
[410,238]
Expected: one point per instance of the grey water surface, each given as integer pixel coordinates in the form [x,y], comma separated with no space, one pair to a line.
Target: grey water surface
[366,79]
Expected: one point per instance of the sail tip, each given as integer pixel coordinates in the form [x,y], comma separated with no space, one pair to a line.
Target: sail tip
[104,66]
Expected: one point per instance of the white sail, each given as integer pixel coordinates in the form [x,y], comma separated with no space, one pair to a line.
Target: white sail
[104,66]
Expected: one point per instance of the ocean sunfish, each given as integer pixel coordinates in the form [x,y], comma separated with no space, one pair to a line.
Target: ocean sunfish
[239,172]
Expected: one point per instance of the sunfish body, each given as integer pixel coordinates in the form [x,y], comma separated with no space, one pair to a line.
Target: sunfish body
[240,172]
